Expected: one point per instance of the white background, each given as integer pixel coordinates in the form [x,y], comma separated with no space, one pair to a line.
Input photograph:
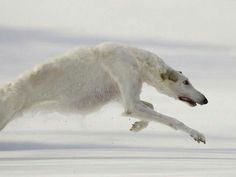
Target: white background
[196,37]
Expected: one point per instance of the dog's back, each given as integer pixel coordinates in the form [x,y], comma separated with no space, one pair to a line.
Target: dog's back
[75,81]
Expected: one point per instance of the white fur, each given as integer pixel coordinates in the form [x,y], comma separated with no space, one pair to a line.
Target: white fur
[87,78]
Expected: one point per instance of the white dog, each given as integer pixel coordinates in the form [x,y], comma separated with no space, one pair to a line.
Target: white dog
[87,78]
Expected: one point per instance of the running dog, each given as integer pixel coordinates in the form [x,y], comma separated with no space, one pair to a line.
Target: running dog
[89,77]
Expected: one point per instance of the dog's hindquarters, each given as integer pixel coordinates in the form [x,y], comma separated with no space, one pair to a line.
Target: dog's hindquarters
[12,102]
[25,92]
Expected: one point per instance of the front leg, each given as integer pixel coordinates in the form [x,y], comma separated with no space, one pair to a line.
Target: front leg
[144,113]
[148,104]
[129,82]
[140,125]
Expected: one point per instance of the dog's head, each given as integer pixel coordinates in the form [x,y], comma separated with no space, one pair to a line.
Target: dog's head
[178,86]
[175,84]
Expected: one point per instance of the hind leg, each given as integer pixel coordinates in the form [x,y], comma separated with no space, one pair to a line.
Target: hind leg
[14,101]
[8,112]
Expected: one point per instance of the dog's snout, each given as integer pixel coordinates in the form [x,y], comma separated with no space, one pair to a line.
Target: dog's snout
[205,101]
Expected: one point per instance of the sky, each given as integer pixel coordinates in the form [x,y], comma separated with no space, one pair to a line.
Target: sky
[205,21]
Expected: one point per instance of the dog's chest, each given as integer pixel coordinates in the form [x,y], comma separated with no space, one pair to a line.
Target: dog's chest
[97,98]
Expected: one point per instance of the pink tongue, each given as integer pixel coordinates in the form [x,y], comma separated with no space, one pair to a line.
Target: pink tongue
[188,100]
[184,99]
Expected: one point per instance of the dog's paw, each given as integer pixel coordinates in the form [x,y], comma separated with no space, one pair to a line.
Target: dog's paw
[199,137]
[138,126]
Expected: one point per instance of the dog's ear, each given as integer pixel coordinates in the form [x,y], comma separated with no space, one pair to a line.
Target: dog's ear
[171,75]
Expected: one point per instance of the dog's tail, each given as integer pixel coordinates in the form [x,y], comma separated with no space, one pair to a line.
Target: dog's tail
[12,102]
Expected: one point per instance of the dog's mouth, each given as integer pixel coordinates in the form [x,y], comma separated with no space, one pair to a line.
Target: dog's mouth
[188,100]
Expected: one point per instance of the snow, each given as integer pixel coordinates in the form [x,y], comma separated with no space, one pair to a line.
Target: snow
[201,45]
[113,154]
[100,144]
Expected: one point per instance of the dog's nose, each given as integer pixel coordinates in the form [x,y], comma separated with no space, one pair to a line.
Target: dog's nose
[205,101]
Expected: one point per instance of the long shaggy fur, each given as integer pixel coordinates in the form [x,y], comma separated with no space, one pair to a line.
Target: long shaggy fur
[87,78]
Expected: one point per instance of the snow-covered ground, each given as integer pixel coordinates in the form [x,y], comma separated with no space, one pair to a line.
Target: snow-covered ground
[194,37]
[66,153]
[100,144]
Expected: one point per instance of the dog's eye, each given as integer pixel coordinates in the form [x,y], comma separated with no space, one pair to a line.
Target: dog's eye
[186,82]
